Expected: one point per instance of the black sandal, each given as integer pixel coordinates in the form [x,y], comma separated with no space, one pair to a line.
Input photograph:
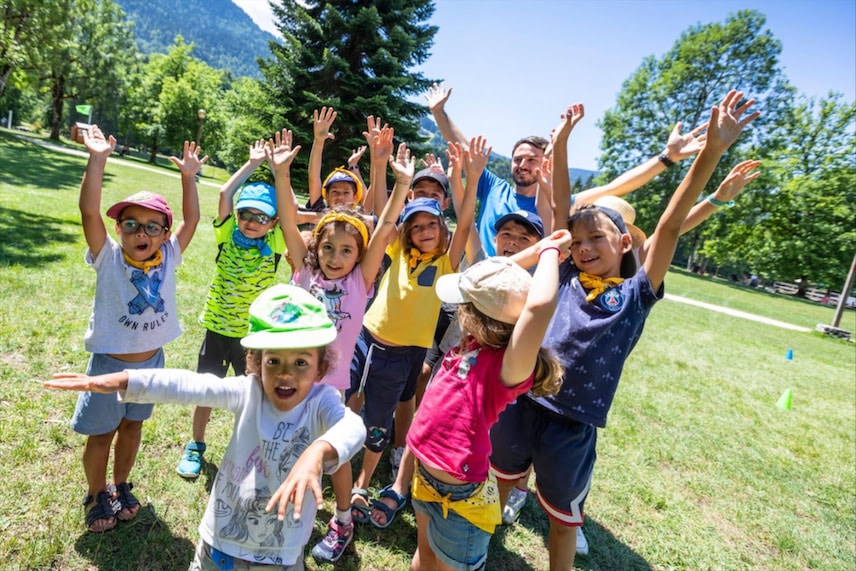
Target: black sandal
[100,507]
[126,501]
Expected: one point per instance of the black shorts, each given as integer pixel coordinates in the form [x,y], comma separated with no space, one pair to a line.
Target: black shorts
[218,352]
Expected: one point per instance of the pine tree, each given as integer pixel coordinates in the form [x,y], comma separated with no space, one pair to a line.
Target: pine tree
[356,56]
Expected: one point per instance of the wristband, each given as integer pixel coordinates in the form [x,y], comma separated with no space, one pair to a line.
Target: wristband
[664,158]
[547,249]
[719,203]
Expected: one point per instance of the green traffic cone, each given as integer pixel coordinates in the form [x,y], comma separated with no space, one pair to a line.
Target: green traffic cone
[784,401]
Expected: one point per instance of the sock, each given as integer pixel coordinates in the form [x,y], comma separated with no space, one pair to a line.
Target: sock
[344,516]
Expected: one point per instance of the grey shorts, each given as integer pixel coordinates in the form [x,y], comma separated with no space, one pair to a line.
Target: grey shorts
[98,413]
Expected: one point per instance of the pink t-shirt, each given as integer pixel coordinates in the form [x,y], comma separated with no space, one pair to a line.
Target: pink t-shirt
[345,299]
[463,401]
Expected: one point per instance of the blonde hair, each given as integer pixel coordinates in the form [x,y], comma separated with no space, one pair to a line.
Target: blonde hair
[489,332]
[407,243]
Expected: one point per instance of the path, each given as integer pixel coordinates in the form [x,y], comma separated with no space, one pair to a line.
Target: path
[737,313]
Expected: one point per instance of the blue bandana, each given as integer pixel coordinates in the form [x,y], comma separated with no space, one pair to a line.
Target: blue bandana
[246,243]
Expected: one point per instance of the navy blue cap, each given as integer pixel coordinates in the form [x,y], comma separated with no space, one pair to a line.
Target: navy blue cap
[524,217]
[428,205]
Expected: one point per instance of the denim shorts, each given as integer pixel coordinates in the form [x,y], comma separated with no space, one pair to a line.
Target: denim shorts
[455,541]
[207,558]
[98,413]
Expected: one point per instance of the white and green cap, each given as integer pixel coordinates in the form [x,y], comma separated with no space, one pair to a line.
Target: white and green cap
[288,317]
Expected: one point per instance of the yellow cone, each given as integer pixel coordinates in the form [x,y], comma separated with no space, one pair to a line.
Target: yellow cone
[784,401]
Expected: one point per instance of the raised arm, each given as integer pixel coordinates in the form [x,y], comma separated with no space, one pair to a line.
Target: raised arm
[727,120]
[189,165]
[528,334]
[380,141]
[403,167]
[321,123]
[281,155]
[437,97]
[354,167]
[227,191]
[727,191]
[678,147]
[89,202]
[561,179]
[475,161]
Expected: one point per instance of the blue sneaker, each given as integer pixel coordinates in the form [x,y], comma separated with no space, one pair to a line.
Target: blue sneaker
[191,464]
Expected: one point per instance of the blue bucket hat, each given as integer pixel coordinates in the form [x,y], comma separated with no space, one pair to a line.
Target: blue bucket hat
[258,195]
[428,205]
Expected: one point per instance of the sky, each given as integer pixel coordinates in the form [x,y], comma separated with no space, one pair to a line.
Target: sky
[515,65]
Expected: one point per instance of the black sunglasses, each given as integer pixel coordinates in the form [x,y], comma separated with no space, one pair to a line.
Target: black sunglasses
[246,216]
[131,226]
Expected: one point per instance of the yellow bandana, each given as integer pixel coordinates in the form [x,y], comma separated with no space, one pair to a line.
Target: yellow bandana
[416,256]
[482,509]
[597,285]
[145,265]
[333,216]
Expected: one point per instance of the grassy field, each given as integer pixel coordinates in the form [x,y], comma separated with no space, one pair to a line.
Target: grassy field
[697,468]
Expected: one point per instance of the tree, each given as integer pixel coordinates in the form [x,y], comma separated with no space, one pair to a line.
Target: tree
[703,65]
[354,55]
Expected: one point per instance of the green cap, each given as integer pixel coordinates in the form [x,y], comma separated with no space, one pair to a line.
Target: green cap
[288,317]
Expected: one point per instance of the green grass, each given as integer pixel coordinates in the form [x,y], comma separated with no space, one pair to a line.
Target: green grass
[697,469]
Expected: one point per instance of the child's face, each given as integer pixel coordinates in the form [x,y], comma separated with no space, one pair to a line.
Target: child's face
[425,232]
[513,237]
[338,252]
[597,246]
[252,228]
[139,245]
[288,375]
[427,188]
[341,193]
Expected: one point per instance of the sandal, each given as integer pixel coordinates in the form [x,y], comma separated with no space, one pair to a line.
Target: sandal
[360,513]
[126,500]
[100,507]
[389,512]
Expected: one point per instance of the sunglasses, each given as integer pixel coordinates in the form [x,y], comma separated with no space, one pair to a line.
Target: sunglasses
[131,226]
[260,218]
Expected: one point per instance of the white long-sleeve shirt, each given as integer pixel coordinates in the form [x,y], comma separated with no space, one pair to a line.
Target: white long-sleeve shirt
[265,445]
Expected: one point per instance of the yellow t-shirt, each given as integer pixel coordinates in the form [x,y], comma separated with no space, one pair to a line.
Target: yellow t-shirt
[406,308]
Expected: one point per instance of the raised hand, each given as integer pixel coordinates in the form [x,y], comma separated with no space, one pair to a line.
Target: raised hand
[373,129]
[739,176]
[432,162]
[96,144]
[321,123]
[437,96]
[279,150]
[567,121]
[727,121]
[190,163]
[680,146]
[403,165]
[560,239]
[356,155]
[475,159]
[258,152]
[382,144]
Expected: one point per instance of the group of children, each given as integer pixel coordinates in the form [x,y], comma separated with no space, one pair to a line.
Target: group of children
[332,362]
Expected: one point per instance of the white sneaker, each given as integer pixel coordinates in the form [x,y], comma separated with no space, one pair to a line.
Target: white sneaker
[395,456]
[582,542]
[516,501]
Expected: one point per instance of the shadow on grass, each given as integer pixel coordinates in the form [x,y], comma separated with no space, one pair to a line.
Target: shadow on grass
[32,237]
[28,164]
[142,543]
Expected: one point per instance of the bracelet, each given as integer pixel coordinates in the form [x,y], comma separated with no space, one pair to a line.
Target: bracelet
[719,203]
[547,249]
[664,158]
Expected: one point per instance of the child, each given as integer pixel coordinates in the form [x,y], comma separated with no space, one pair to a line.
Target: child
[603,305]
[134,315]
[338,266]
[503,313]
[249,248]
[390,350]
[342,187]
[288,427]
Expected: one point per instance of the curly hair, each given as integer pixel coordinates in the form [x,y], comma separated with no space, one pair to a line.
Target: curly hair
[489,332]
[326,356]
[312,241]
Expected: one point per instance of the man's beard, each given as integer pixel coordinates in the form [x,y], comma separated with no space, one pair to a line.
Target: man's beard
[519,181]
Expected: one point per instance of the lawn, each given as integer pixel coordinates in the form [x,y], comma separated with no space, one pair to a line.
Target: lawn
[697,469]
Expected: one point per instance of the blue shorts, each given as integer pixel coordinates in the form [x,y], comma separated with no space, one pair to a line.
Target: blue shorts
[98,413]
[386,375]
[561,450]
[218,352]
[455,541]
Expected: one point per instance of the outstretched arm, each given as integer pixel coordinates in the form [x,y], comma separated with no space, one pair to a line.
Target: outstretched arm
[678,147]
[475,161]
[727,121]
[389,209]
[561,179]
[105,384]
[437,97]
[322,121]
[227,191]
[528,334]
[281,155]
[89,202]
[189,165]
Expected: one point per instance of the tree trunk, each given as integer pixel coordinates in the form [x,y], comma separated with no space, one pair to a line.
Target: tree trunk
[57,100]
[154,154]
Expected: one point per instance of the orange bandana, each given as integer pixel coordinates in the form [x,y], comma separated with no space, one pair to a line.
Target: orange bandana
[145,265]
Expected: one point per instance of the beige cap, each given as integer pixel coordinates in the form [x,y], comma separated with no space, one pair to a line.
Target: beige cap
[496,286]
